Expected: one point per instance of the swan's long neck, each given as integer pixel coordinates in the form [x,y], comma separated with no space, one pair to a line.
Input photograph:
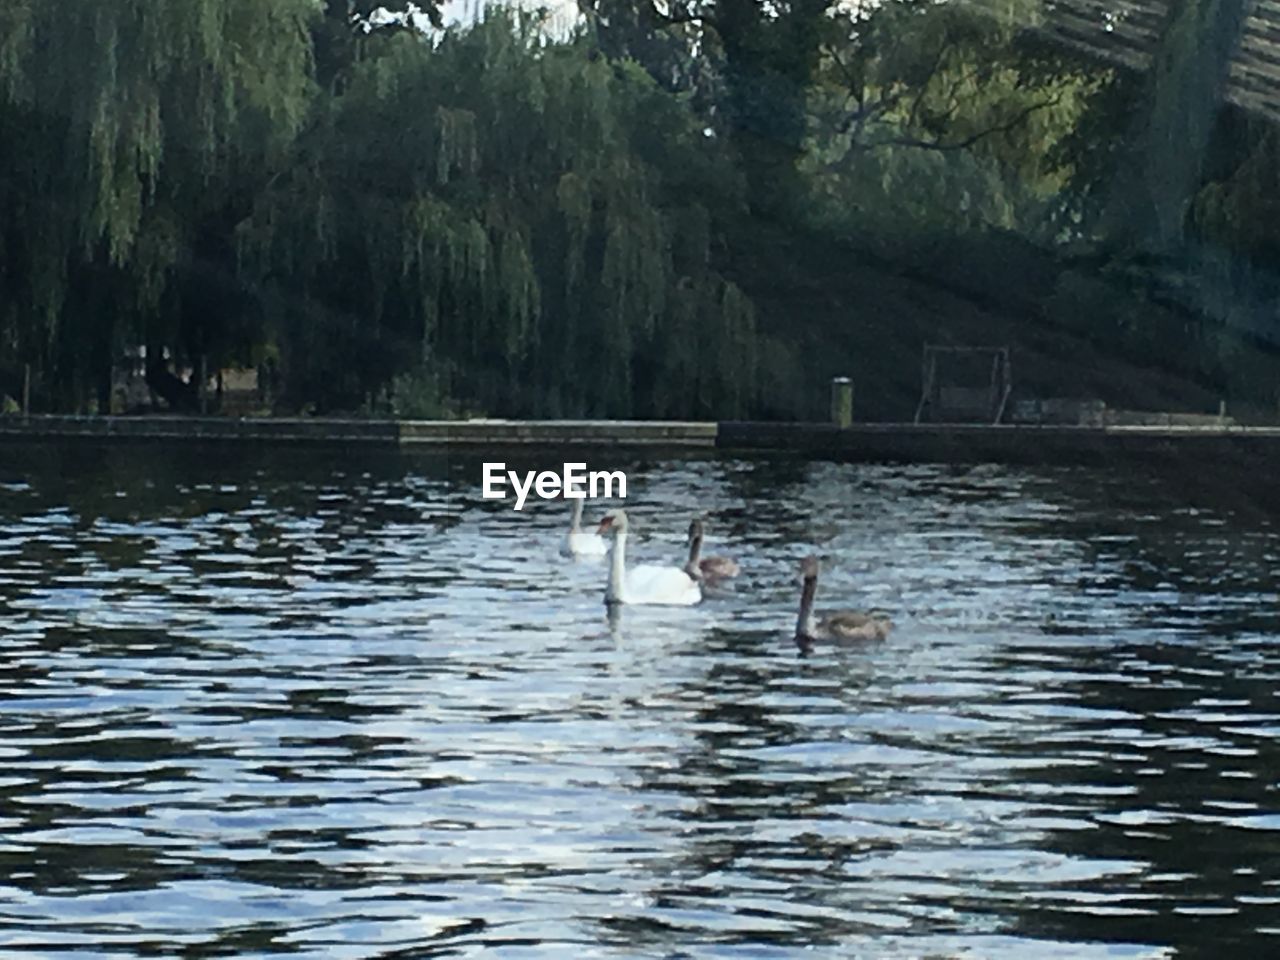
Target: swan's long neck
[617,564]
[576,526]
[695,551]
[804,621]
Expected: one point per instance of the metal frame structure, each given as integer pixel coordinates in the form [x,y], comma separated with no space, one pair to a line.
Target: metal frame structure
[999,386]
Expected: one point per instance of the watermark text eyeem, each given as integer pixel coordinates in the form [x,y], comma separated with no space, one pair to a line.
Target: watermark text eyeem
[573,482]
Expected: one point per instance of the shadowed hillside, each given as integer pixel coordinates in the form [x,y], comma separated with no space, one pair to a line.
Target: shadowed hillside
[839,311]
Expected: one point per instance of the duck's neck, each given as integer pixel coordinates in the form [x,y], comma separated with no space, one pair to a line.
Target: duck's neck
[576,525]
[804,621]
[617,564]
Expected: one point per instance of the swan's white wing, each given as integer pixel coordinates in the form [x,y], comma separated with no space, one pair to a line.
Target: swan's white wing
[654,584]
[585,545]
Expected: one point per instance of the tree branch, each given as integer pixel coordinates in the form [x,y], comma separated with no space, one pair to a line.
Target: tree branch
[968,141]
[675,17]
[869,111]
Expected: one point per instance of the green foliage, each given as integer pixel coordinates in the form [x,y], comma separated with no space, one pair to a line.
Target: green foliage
[1239,207]
[128,127]
[1183,93]
[488,218]
[942,119]
[419,395]
[515,210]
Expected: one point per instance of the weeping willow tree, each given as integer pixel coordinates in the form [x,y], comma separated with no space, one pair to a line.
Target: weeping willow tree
[132,131]
[484,218]
[522,224]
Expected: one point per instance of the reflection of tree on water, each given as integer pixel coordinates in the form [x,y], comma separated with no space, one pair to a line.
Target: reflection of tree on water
[800,803]
[219,498]
[117,809]
[777,888]
[766,479]
[1145,772]
[1163,786]
[109,803]
[1159,789]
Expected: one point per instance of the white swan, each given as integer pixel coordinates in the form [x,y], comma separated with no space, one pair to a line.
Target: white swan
[847,626]
[579,542]
[647,584]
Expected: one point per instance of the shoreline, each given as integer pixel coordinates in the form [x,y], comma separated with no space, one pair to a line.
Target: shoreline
[867,442]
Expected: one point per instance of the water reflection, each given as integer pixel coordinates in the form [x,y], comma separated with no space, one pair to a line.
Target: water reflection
[325,706]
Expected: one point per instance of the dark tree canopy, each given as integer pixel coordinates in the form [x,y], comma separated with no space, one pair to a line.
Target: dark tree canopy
[644,218]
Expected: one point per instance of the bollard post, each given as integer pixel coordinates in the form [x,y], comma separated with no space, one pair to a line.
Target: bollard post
[842,401]
[1222,413]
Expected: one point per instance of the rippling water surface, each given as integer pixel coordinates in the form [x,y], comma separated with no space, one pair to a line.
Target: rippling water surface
[338,706]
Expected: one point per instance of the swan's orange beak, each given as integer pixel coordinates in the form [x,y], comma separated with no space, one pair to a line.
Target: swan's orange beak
[605,524]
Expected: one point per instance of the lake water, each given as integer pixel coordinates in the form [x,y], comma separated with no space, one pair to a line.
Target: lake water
[336,705]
